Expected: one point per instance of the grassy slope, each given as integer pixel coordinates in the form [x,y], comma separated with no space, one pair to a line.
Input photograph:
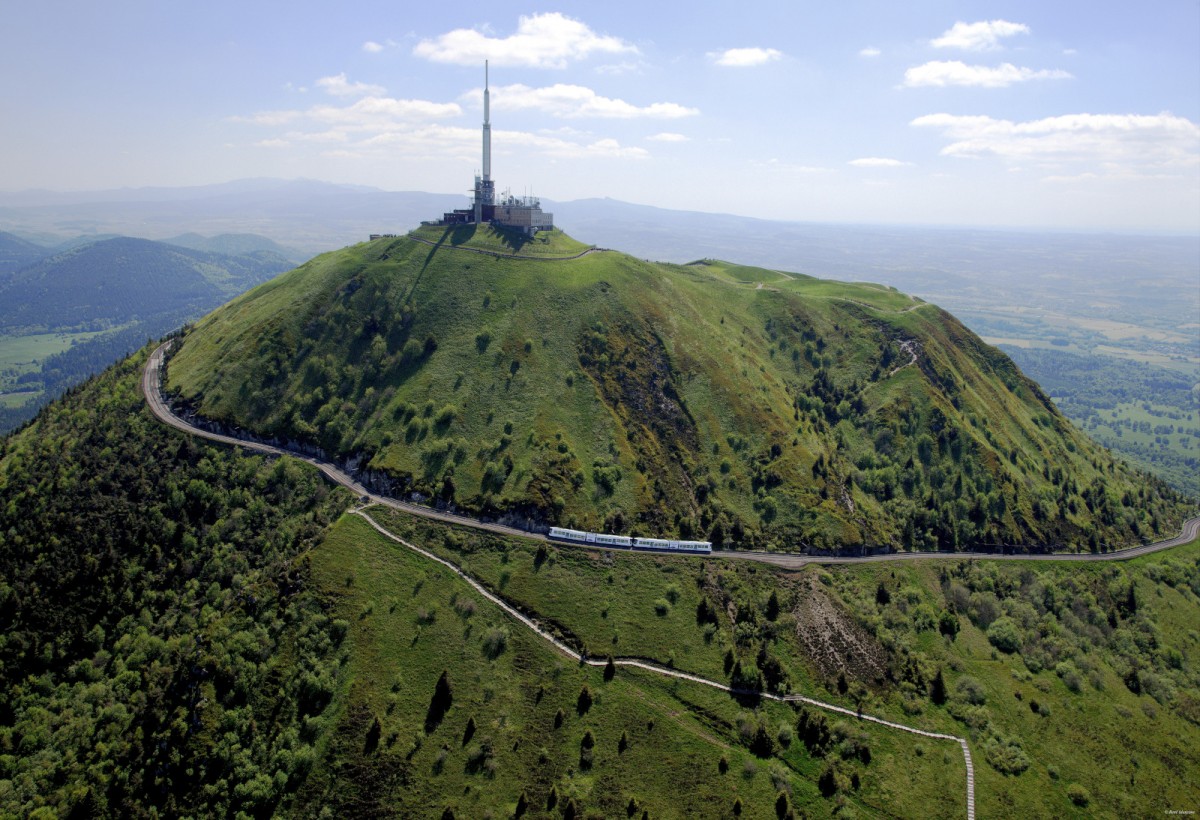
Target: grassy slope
[730,400]
[677,732]
[1131,752]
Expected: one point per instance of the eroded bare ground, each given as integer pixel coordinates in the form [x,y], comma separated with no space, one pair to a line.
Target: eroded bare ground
[832,639]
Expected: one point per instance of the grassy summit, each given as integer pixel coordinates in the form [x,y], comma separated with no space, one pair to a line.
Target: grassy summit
[549,244]
[749,406]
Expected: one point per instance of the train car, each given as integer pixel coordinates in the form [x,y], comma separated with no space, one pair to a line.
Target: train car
[651,544]
[700,547]
[668,545]
[563,534]
[613,540]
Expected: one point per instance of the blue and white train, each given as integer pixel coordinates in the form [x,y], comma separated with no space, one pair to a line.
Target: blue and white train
[624,541]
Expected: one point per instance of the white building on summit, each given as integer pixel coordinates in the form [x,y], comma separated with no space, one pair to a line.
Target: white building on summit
[524,213]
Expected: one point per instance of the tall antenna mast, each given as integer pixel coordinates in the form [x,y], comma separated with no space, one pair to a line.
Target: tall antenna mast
[487,127]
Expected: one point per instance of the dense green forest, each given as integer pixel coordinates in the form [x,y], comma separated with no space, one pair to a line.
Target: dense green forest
[162,650]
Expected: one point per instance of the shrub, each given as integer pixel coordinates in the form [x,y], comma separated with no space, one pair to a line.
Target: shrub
[970,690]
[584,701]
[1070,676]
[1005,756]
[1004,634]
[1078,794]
[495,641]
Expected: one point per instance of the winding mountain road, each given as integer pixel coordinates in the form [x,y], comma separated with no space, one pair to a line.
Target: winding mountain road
[667,671]
[152,389]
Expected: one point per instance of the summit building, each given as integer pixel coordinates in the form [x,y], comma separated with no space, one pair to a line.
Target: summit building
[523,213]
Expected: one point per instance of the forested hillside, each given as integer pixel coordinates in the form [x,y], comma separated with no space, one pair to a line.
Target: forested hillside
[16,253]
[162,650]
[115,281]
[107,298]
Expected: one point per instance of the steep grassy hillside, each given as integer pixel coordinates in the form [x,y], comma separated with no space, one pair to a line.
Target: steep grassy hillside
[749,406]
[1077,686]
[516,724]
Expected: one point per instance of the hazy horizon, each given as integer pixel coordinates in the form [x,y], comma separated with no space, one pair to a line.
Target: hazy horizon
[1070,116]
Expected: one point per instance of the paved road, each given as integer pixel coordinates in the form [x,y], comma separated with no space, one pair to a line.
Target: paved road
[151,383]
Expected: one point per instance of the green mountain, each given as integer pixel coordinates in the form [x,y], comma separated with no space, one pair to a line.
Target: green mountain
[757,408]
[189,630]
[235,244]
[115,281]
[16,253]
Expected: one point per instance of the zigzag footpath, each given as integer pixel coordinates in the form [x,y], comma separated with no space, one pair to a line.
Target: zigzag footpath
[578,657]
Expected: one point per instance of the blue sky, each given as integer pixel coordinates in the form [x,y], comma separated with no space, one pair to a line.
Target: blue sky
[1078,115]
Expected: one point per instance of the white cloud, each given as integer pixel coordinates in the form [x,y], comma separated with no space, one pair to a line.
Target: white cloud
[744,57]
[570,101]
[667,136]
[617,69]
[541,41]
[269,117]
[877,162]
[365,115]
[272,143]
[980,36]
[1118,142]
[372,47]
[943,73]
[383,109]
[870,51]
[774,164]
[338,86]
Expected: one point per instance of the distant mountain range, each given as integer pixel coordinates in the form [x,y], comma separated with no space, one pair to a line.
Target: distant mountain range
[956,267]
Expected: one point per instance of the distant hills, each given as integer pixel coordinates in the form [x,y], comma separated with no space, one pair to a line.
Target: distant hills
[737,403]
[16,253]
[115,281]
[236,244]
[124,289]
